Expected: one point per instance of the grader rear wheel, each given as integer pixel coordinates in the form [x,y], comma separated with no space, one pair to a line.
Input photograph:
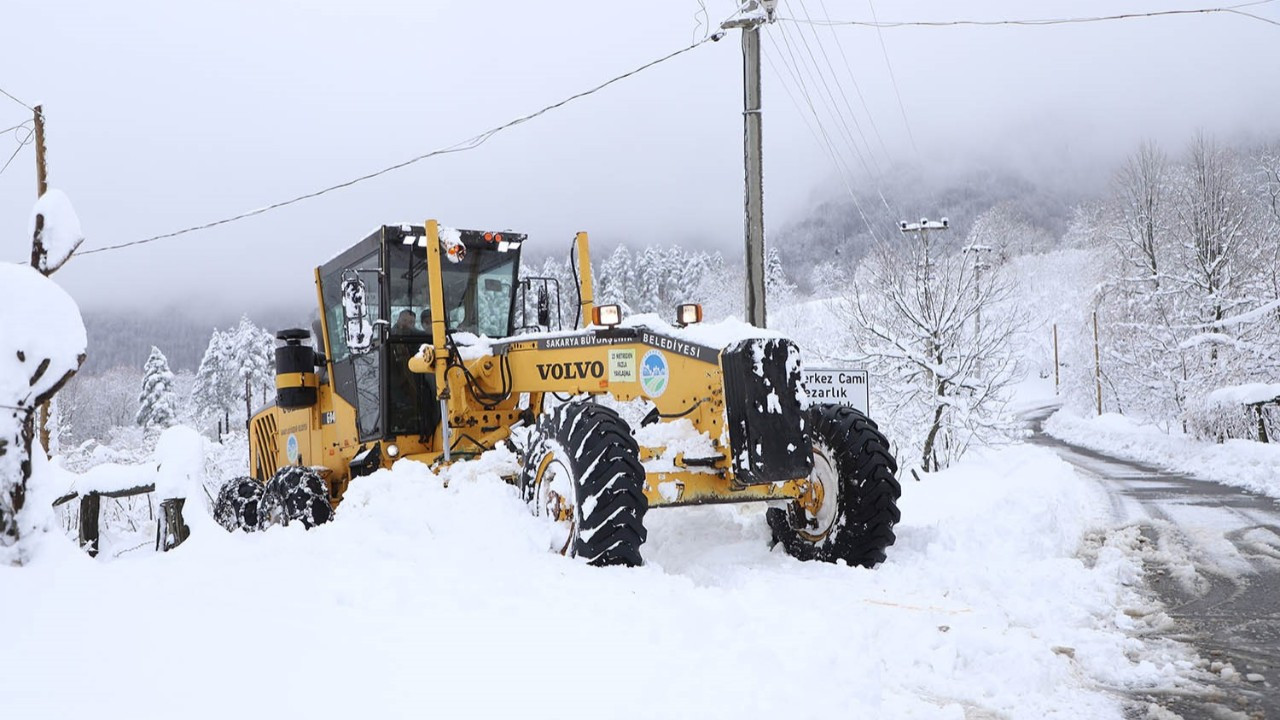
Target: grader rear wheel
[582,472]
[850,507]
[296,493]
[239,505]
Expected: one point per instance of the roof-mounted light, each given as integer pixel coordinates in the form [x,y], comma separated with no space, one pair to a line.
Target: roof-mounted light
[688,314]
[606,315]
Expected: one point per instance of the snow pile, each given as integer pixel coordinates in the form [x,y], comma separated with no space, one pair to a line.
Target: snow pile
[1242,463]
[435,596]
[42,341]
[60,234]
[1244,394]
[39,321]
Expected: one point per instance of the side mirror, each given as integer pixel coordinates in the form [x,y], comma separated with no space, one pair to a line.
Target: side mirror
[544,307]
[356,328]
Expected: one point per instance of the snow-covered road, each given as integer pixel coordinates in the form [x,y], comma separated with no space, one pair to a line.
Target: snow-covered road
[1212,553]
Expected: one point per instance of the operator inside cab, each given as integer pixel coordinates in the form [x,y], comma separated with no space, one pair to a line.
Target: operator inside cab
[478,286]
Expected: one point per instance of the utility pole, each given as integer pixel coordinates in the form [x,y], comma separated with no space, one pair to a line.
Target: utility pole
[37,250]
[42,183]
[978,266]
[1055,359]
[751,15]
[1097,362]
[922,229]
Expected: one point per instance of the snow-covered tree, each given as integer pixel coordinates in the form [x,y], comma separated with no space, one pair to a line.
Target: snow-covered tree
[1187,304]
[617,282]
[238,370]
[779,290]
[212,392]
[157,404]
[941,337]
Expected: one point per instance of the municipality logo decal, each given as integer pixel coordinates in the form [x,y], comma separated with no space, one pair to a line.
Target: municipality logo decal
[654,373]
[291,448]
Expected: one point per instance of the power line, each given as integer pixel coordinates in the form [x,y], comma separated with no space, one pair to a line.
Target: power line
[856,87]
[849,106]
[468,144]
[821,134]
[2,92]
[22,142]
[1230,10]
[11,157]
[15,127]
[901,107]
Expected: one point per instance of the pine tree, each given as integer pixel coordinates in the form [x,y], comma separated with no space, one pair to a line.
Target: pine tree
[209,393]
[157,407]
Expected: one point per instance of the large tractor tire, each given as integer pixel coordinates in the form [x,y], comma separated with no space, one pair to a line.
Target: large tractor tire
[852,505]
[582,472]
[239,505]
[297,494]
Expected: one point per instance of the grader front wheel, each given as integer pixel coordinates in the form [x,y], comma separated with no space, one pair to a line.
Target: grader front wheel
[582,473]
[850,507]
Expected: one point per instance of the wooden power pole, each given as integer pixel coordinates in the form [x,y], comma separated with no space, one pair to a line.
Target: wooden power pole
[42,186]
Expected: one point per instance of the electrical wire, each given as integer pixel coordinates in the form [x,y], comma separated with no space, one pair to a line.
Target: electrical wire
[11,157]
[468,144]
[6,94]
[853,78]
[24,123]
[22,142]
[825,141]
[1230,10]
[884,49]
[835,111]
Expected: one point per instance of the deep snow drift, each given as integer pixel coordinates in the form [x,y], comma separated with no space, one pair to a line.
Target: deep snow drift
[427,600]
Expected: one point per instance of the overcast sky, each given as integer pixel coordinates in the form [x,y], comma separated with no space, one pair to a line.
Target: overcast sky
[167,114]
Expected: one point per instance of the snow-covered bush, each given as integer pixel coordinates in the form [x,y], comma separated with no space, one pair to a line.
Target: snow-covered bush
[1242,412]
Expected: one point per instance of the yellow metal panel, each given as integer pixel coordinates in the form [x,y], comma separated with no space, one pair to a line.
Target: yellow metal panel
[584,277]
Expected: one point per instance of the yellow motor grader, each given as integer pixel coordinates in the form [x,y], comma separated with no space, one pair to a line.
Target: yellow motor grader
[425,349]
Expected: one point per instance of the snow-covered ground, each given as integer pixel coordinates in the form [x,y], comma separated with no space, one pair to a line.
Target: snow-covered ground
[425,600]
[1241,463]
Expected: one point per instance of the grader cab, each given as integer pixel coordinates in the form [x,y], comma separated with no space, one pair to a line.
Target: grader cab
[430,347]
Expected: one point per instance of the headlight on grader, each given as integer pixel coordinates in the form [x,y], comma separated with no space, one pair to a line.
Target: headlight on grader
[606,315]
[688,314]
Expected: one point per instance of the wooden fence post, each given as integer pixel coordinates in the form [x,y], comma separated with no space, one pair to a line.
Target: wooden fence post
[171,530]
[90,504]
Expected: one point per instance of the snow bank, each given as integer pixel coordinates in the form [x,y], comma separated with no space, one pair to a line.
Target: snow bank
[1241,463]
[435,596]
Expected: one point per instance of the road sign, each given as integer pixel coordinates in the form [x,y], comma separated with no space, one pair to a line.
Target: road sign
[842,386]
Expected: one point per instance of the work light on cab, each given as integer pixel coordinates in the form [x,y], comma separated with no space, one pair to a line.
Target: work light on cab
[688,314]
[607,315]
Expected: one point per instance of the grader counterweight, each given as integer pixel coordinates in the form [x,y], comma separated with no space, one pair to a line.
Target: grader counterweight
[418,356]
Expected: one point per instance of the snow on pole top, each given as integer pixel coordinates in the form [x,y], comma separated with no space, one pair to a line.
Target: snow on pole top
[61,234]
[40,321]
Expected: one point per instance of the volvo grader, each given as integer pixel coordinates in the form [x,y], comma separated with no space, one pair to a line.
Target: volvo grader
[429,347]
